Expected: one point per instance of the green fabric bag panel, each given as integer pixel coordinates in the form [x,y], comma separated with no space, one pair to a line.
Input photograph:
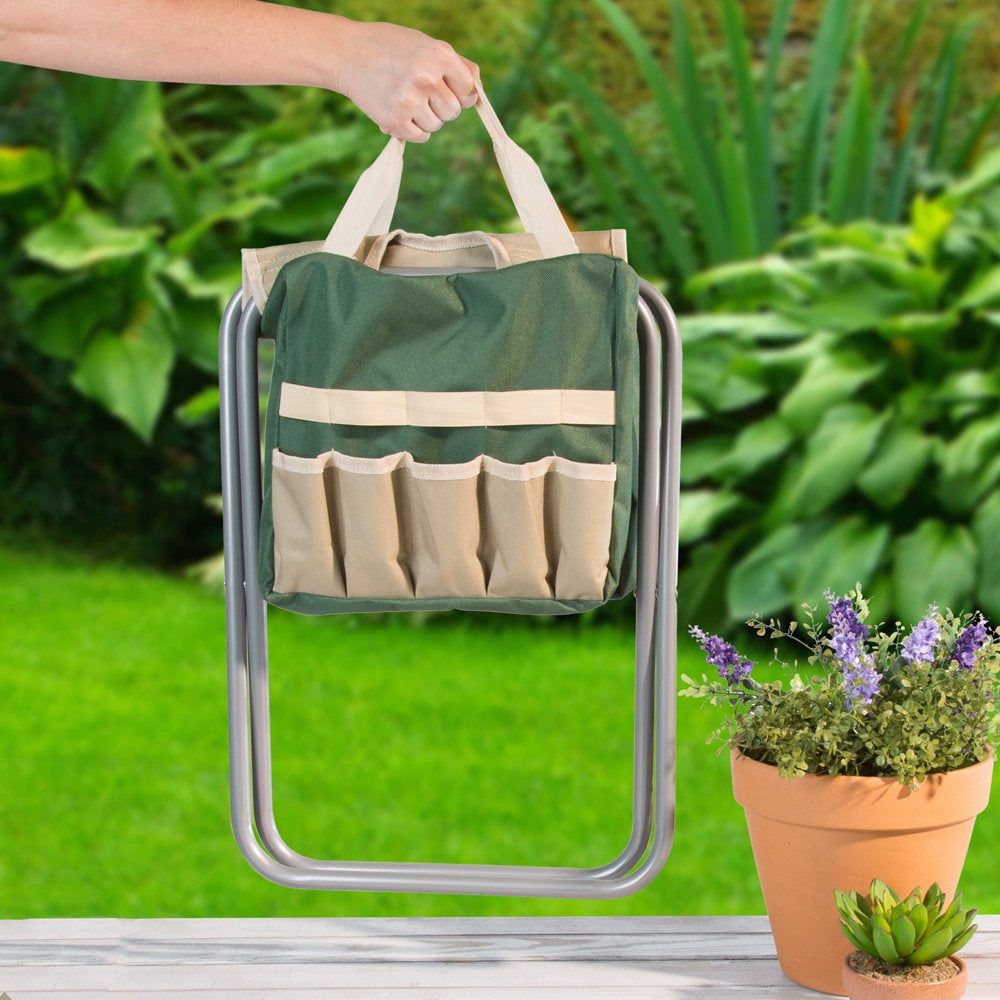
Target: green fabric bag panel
[565,322]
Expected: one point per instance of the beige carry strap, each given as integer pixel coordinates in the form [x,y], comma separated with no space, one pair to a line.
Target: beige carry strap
[453,249]
[369,209]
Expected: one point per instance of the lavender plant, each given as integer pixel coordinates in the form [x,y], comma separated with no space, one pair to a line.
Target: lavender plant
[903,703]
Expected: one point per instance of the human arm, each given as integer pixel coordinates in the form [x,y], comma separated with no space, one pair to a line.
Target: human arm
[407,82]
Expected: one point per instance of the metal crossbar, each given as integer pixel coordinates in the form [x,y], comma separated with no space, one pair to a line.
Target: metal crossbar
[251,795]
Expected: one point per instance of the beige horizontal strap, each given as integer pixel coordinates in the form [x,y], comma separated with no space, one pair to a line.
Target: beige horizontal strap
[516,471]
[405,407]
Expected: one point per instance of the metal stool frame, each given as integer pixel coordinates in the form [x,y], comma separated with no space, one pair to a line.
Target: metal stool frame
[251,799]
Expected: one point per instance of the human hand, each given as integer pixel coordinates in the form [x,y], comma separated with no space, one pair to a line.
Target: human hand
[408,83]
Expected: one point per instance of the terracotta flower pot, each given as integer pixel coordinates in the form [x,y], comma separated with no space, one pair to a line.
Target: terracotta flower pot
[817,833]
[859,987]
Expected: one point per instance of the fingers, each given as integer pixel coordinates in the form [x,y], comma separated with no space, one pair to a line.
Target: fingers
[461,77]
[445,104]
[409,132]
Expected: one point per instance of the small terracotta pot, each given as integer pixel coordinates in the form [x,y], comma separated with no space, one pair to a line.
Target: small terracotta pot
[859,987]
[821,832]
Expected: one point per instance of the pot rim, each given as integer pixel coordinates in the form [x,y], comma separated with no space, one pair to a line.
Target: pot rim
[963,972]
[861,802]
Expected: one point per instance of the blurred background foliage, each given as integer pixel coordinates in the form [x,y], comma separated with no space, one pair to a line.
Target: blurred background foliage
[814,184]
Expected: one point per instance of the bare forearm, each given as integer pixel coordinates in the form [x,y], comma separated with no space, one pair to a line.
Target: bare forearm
[405,81]
[183,41]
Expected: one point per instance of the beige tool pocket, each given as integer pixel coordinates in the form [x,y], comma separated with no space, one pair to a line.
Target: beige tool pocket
[392,527]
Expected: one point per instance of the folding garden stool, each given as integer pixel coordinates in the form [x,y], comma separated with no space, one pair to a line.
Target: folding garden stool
[252,810]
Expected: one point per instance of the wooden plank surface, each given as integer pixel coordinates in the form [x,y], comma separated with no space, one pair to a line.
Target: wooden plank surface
[453,958]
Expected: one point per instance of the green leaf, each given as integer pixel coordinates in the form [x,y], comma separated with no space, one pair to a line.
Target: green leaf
[884,944]
[701,457]
[702,581]
[828,379]
[755,445]
[902,455]
[918,917]
[904,935]
[295,159]
[984,290]
[834,457]
[127,373]
[857,305]
[23,167]
[200,407]
[853,934]
[919,326]
[837,556]
[929,221]
[701,509]
[932,949]
[970,465]
[79,238]
[62,325]
[986,532]
[984,174]
[961,941]
[758,325]
[133,123]
[935,563]
[762,581]
[757,279]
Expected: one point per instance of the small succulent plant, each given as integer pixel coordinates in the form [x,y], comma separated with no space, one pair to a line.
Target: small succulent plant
[917,930]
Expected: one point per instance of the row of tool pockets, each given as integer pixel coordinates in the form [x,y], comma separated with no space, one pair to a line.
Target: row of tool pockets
[392,527]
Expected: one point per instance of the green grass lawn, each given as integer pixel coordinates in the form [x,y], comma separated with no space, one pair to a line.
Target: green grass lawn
[456,741]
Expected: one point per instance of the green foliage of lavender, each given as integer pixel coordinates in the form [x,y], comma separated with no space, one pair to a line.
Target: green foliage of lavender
[863,701]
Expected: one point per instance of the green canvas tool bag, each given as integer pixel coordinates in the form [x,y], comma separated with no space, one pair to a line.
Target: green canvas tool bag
[442,440]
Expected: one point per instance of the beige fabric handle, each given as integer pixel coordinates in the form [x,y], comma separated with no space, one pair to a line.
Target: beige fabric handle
[436,244]
[369,209]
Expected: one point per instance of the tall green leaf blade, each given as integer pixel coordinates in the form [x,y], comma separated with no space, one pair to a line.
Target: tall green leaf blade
[945,85]
[821,83]
[610,193]
[738,197]
[647,187]
[692,91]
[966,151]
[850,178]
[758,188]
[896,187]
[685,143]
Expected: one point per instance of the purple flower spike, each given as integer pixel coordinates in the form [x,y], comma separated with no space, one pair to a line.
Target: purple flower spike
[848,631]
[972,637]
[918,646]
[861,682]
[847,637]
[732,667]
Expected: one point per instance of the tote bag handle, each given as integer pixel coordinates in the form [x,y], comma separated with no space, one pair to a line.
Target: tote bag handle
[370,207]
